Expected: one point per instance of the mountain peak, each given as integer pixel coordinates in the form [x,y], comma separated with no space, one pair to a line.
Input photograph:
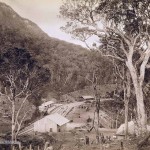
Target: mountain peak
[67,62]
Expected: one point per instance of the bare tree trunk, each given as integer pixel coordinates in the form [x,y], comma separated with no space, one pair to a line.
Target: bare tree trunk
[117,120]
[20,147]
[97,99]
[13,125]
[126,110]
[138,83]
[98,109]
[98,119]
[127,92]
[126,118]
[13,121]
[30,148]
[141,110]
[38,147]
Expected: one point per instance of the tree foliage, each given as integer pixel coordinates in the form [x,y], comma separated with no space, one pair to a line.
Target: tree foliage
[20,77]
[69,64]
[17,67]
[123,28]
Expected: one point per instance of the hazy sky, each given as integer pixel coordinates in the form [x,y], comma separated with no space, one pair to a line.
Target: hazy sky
[44,13]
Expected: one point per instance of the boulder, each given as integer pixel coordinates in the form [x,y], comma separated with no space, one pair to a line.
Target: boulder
[132,128]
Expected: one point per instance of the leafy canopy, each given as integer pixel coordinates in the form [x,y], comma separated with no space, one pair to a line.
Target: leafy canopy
[18,70]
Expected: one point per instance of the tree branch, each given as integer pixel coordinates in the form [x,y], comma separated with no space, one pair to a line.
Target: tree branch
[9,99]
[24,88]
[143,66]
[21,121]
[115,57]
[18,112]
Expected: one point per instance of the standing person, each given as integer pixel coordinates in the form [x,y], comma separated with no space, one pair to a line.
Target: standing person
[121,144]
[87,140]
[97,139]
[102,139]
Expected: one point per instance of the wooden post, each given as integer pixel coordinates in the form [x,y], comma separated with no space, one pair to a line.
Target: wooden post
[20,147]
[30,147]
[38,148]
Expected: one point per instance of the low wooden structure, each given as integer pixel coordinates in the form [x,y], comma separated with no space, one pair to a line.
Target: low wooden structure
[51,123]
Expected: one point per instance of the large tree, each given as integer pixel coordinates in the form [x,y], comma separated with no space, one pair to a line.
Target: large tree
[123,27]
[124,77]
[20,77]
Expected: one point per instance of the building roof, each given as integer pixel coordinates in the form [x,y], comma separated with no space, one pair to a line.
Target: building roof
[88,97]
[47,103]
[58,119]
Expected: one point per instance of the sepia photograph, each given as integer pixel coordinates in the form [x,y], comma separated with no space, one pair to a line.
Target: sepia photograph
[74,74]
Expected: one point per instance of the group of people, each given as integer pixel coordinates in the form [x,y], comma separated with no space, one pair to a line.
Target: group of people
[100,139]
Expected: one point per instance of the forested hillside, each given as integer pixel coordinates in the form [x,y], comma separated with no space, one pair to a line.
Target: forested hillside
[71,66]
